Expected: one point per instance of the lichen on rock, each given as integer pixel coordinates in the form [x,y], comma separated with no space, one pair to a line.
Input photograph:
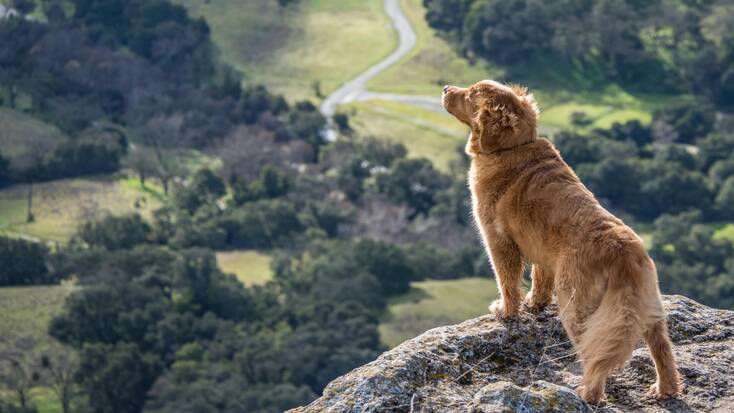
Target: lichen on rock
[528,365]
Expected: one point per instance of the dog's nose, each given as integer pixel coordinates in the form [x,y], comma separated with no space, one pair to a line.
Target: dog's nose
[446,88]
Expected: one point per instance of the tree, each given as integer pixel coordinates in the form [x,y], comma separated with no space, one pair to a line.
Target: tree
[19,367]
[24,7]
[691,261]
[24,263]
[144,162]
[39,146]
[342,122]
[114,232]
[581,119]
[205,189]
[5,178]
[576,149]
[386,262]
[715,147]
[270,184]
[307,123]
[59,367]
[117,377]
[413,182]
[690,121]
[725,199]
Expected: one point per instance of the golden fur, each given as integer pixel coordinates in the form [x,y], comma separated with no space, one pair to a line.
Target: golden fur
[529,205]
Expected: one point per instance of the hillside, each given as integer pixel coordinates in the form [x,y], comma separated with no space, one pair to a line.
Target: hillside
[61,206]
[483,365]
[290,48]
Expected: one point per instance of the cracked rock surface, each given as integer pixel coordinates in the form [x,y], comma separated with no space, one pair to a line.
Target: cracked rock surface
[527,365]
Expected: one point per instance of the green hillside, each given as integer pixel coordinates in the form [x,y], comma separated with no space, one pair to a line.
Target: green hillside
[435,303]
[288,49]
[28,310]
[60,206]
[20,132]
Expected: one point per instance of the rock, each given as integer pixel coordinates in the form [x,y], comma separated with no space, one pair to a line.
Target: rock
[528,365]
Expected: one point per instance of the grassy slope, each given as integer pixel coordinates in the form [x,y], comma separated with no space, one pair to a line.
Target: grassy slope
[288,49]
[250,267]
[418,129]
[59,206]
[725,231]
[15,130]
[28,310]
[435,303]
[432,64]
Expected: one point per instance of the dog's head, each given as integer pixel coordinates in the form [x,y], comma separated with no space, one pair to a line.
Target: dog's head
[500,116]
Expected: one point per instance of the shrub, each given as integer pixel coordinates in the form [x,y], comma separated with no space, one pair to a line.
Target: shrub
[114,233]
[23,263]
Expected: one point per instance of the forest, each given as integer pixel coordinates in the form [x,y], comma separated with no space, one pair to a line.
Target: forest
[154,324]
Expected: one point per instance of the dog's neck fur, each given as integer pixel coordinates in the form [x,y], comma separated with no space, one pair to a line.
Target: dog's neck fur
[474,149]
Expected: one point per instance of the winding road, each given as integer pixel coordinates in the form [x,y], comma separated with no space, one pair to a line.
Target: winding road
[355,90]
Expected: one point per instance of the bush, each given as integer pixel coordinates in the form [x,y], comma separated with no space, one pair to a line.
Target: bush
[84,157]
[413,182]
[5,177]
[6,407]
[204,190]
[692,262]
[725,199]
[114,233]
[261,224]
[23,263]
[386,262]
[690,121]
[431,262]
[580,119]
[270,184]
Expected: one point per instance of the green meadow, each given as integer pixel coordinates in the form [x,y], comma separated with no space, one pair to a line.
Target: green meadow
[435,303]
[249,266]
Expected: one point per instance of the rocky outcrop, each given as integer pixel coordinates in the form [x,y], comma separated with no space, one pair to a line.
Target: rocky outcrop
[528,365]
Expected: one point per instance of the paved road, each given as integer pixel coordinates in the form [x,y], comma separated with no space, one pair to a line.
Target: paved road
[355,88]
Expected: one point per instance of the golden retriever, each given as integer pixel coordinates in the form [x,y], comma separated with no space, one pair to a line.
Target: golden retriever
[529,205]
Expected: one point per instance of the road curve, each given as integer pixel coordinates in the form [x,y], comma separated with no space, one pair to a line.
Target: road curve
[352,89]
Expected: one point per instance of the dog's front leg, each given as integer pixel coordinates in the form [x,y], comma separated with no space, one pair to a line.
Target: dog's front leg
[508,266]
[541,292]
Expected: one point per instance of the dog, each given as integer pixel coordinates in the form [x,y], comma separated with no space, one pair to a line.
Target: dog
[530,206]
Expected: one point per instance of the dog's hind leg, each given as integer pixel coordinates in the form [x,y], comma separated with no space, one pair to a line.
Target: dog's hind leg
[541,292]
[508,266]
[668,381]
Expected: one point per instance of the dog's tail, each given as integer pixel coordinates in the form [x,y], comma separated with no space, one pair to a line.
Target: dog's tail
[613,330]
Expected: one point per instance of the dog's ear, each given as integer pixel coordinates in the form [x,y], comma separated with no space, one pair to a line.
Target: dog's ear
[497,122]
[527,101]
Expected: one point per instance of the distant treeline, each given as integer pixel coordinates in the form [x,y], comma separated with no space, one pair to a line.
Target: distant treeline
[665,46]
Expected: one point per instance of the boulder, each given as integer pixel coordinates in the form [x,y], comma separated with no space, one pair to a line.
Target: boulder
[528,365]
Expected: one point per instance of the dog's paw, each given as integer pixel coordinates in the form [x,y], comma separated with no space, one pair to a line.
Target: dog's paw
[533,305]
[502,310]
[591,396]
[662,392]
